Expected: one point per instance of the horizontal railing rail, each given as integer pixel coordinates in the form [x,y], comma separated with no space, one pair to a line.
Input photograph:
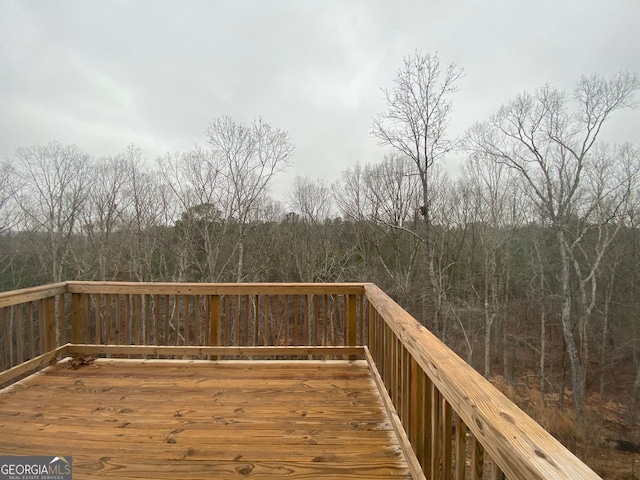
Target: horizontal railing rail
[457,424]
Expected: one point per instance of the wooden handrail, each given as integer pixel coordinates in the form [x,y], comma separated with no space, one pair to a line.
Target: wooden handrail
[144,288]
[521,447]
[24,295]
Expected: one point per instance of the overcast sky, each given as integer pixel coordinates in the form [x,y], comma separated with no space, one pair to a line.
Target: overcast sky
[104,74]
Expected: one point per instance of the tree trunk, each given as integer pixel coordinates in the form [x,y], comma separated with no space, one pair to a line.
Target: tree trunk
[543,337]
[577,369]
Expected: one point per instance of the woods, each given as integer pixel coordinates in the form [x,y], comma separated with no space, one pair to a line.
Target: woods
[527,263]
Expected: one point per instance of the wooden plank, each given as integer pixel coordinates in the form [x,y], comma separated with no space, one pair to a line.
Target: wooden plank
[461,448]
[30,365]
[436,432]
[246,322]
[78,318]
[31,330]
[447,417]
[33,294]
[79,349]
[214,321]
[7,344]
[19,326]
[108,327]
[138,288]
[296,320]
[351,299]
[187,319]
[167,320]
[477,459]
[520,446]
[48,324]
[126,418]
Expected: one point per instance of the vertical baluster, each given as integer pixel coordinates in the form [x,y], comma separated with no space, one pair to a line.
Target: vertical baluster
[287,321]
[156,320]
[406,366]
[325,321]
[167,321]
[92,319]
[7,344]
[31,330]
[265,321]
[446,439]
[108,328]
[175,318]
[496,472]
[361,320]
[137,306]
[187,320]
[246,320]
[461,448]
[236,316]
[127,319]
[225,324]
[63,319]
[428,424]
[415,424]
[345,320]
[147,319]
[436,443]
[477,459]
[306,339]
[214,323]
[296,320]
[196,321]
[316,321]
[118,320]
[19,333]
[352,323]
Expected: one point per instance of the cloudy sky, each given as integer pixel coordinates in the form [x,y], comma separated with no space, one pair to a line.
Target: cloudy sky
[104,74]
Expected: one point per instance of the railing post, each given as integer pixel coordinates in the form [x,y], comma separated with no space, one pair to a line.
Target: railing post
[47,324]
[214,326]
[78,318]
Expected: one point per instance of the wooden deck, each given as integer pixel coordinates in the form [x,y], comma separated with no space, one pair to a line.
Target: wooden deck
[179,419]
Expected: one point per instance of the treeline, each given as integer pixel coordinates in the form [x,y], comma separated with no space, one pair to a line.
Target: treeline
[527,264]
[496,261]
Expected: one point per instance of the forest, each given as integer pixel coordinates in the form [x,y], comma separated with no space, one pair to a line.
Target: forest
[526,263]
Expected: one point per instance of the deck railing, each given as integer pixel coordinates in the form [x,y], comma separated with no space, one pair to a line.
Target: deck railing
[457,424]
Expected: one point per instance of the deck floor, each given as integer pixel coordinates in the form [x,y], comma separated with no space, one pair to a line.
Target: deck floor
[180,420]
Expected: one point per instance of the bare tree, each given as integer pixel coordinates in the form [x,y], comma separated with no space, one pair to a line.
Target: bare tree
[102,216]
[249,156]
[551,149]
[496,217]
[194,179]
[57,182]
[311,199]
[415,125]
[9,187]
[310,243]
[143,218]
